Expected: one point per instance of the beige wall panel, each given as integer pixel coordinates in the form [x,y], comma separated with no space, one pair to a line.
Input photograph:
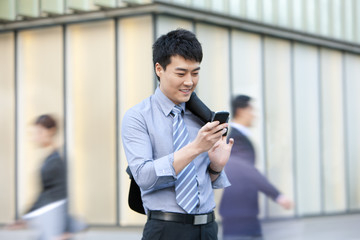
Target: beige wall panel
[332,131]
[91,120]
[7,128]
[136,82]
[213,87]
[307,129]
[352,99]
[40,91]
[278,119]
[247,79]
[164,24]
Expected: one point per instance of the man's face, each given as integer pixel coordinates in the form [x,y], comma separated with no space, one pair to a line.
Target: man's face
[179,79]
[247,115]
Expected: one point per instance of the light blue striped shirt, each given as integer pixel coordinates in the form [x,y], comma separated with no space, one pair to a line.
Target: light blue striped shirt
[147,139]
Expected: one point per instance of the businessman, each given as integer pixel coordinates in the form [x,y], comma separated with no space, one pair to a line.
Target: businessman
[175,160]
[239,205]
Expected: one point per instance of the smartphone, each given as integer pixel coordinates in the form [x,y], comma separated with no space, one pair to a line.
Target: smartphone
[222,117]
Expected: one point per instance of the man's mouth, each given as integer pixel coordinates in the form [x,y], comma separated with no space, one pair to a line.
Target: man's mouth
[185,90]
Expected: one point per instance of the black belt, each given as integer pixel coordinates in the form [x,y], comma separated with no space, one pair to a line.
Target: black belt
[195,219]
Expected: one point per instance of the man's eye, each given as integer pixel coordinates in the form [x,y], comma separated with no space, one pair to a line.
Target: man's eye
[195,73]
[180,74]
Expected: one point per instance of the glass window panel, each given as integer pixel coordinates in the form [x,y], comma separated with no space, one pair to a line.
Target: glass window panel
[246,72]
[56,6]
[278,119]
[268,11]
[298,14]
[182,2]
[136,82]
[332,131]
[349,20]
[253,9]
[7,128]
[105,3]
[91,132]
[202,4]
[40,91]
[336,19]
[307,125]
[352,100]
[324,17]
[218,6]
[283,13]
[28,8]
[7,10]
[310,14]
[357,20]
[235,7]
[82,5]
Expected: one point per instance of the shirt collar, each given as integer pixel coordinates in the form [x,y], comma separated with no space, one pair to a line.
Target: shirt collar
[164,103]
[244,130]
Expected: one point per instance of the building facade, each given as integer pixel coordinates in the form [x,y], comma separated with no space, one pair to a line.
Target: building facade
[88,61]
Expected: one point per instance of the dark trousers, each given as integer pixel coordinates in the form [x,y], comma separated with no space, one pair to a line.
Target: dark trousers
[163,230]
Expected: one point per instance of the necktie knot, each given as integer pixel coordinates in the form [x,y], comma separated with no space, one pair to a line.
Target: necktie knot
[176,110]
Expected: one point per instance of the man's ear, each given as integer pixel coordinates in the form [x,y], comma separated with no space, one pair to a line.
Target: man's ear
[158,69]
[238,112]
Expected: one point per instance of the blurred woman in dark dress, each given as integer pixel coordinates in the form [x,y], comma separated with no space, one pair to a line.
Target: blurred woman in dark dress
[48,215]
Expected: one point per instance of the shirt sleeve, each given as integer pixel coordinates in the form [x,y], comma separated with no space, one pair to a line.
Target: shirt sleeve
[260,181]
[221,182]
[148,173]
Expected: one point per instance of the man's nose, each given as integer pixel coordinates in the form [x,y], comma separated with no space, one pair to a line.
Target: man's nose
[188,80]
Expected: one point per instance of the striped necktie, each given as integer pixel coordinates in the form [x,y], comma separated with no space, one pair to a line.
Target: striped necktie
[186,188]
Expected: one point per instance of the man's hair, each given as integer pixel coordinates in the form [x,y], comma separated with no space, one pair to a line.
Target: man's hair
[240,101]
[46,121]
[178,42]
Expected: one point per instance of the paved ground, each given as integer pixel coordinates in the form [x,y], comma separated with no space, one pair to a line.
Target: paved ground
[345,227]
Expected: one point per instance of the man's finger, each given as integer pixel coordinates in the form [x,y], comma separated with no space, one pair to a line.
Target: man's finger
[219,128]
[231,142]
[211,125]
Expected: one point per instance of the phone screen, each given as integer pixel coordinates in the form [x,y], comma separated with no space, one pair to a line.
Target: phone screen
[222,117]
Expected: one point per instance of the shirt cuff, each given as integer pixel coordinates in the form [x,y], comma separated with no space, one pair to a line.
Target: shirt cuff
[164,166]
[221,182]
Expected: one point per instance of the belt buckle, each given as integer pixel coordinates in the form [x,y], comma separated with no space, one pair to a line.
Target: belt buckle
[200,219]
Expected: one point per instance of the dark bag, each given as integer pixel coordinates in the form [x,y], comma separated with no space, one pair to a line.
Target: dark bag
[199,109]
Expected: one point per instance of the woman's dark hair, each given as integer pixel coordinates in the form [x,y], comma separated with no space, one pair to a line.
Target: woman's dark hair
[46,121]
[241,101]
[178,42]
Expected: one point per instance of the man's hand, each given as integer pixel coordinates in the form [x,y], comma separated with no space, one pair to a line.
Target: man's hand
[284,201]
[206,138]
[219,154]
[17,225]
[209,135]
